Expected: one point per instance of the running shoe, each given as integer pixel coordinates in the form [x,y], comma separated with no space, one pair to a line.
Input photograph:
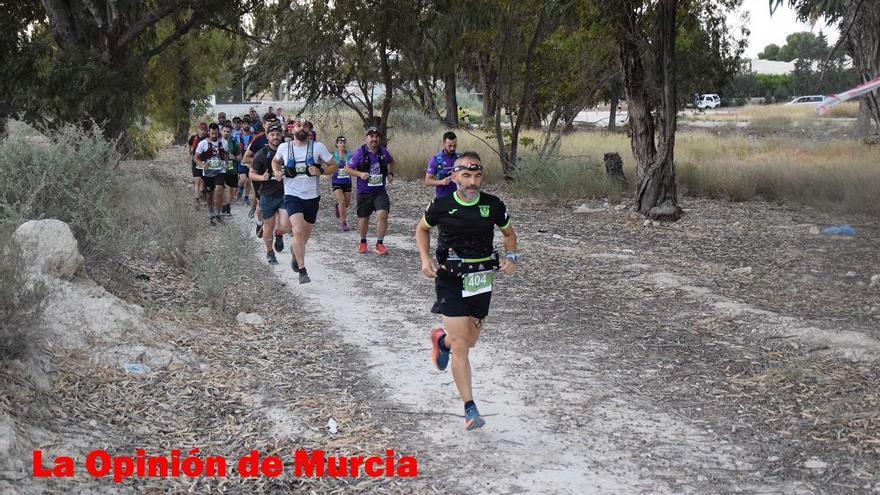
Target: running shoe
[253,211]
[270,257]
[439,357]
[336,210]
[304,277]
[213,223]
[247,201]
[472,419]
[279,243]
[259,231]
[362,248]
[227,210]
[380,249]
[344,226]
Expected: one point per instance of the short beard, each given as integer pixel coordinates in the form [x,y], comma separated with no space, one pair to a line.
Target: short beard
[301,135]
[468,195]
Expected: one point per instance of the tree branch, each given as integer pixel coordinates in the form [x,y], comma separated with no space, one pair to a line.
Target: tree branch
[150,19]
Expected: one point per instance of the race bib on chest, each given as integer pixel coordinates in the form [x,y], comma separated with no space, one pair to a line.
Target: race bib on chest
[342,174]
[300,167]
[477,283]
[216,164]
[375,180]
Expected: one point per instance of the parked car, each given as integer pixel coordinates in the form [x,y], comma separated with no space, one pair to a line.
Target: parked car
[709,101]
[812,99]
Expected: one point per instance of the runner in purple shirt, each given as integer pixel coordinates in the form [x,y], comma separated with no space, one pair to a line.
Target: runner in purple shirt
[439,171]
[373,167]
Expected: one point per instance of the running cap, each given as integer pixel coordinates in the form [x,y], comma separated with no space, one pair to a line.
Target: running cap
[203,125]
[275,127]
[371,130]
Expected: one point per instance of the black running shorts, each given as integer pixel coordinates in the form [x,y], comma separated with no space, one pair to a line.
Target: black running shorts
[368,203]
[231,179]
[450,303]
[212,182]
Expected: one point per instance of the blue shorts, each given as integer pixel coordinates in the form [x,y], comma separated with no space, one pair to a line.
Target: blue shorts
[307,207]
[270,204]
[242,169]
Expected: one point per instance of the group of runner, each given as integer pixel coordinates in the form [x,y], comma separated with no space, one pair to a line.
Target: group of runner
[275,166]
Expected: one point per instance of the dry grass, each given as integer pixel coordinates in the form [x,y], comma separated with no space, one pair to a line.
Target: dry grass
[795,113]
[829,173]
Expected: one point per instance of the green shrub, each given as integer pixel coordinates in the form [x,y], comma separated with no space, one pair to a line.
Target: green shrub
[412,121]
[144,143]
[70,174]
[19,301]
[560,181]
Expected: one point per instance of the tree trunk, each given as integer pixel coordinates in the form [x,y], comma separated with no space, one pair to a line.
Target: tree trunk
[614,169]
[487,87]
[656,195]
[451,99]
[387,80]
[612,114]
[863,45]
[865,127]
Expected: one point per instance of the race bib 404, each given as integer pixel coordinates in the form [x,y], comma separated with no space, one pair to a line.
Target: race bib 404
[477,283]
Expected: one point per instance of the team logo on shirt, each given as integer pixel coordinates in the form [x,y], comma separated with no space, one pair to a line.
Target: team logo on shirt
[484,211]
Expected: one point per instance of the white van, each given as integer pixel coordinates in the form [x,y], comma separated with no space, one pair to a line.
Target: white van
[709,101]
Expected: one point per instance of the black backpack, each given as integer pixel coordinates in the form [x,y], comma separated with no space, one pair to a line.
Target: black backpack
[364,166]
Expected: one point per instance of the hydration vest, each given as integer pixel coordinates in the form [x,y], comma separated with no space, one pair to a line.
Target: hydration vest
[440,164]
[290,164]
[364,166]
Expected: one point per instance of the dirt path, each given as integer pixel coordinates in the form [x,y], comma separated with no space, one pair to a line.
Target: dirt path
[565,400]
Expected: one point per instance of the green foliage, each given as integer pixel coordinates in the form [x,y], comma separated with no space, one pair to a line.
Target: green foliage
[145,142]
[803,45]
[185,75]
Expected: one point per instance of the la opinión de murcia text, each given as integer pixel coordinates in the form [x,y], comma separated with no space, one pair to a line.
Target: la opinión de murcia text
[192,464]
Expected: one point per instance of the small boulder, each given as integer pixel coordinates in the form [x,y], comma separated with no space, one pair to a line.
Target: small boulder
[51,249]
[252,319]
[875,281]
[746,270]
[814,230]
[815,464]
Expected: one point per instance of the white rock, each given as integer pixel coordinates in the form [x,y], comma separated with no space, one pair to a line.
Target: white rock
[655,223]
[619,207]
[252,319]
[51,249]
[557,236]
[875,281]
[332,426]
[746,270]
[815,464]
[586,209]
[646,223]
[814,230]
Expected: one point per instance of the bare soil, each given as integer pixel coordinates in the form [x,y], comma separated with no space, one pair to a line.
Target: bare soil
[620,358]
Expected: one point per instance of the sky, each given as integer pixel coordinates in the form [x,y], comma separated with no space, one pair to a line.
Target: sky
[766,29]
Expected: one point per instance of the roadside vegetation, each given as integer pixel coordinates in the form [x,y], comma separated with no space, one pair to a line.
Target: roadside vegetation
[835,173]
